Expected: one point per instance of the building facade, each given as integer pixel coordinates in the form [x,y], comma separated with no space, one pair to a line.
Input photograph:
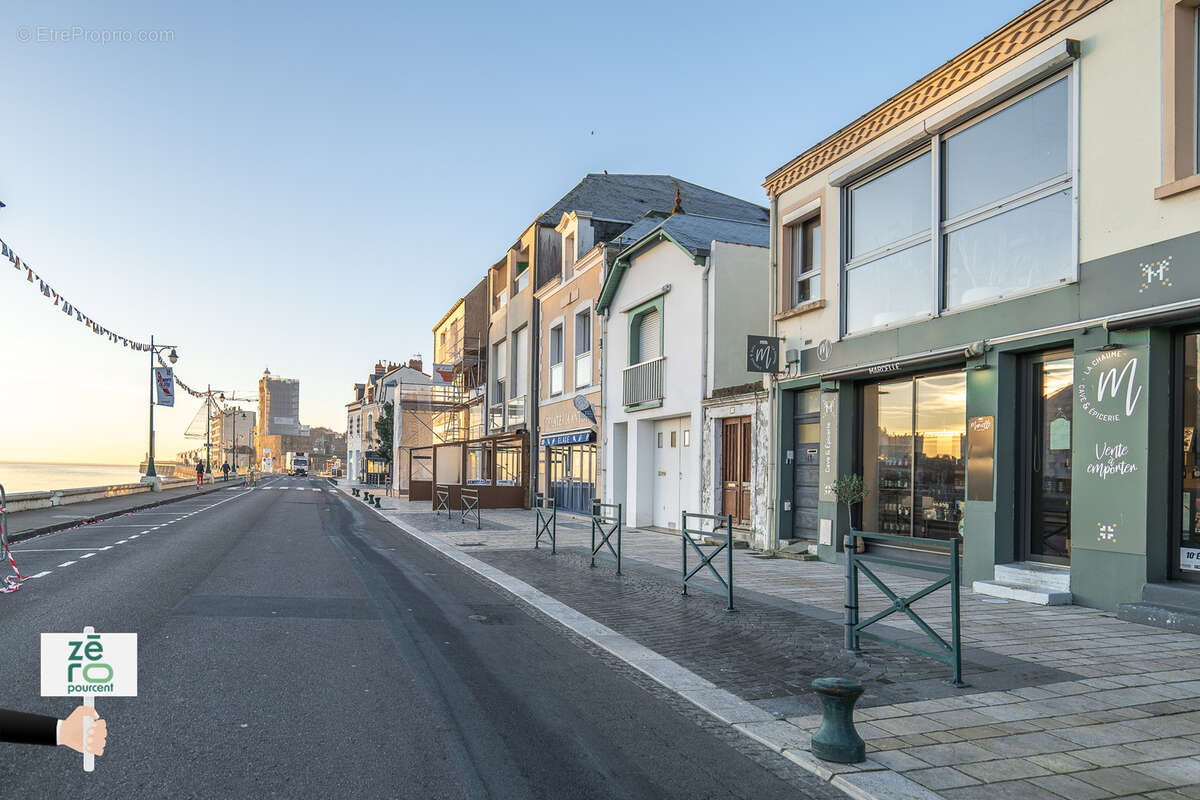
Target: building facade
[986,288]
[679,302]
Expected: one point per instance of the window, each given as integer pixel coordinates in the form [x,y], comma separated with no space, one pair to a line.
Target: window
[1003,210]
[556,360]
[521,346]
[1181,96]
[499,368]
[522,279]
[805,256]
[914,455]
[645,336]
[583,349]
[568,256]
[1007,200]
[888,256]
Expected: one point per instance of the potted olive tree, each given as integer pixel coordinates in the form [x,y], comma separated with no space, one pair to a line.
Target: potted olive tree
[850,492]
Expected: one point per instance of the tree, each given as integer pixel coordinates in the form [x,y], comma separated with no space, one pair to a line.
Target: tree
[383,429]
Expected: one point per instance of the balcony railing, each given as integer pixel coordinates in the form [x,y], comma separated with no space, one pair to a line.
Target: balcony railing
[643,383]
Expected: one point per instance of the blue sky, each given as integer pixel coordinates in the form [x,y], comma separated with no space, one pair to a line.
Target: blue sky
[310,186]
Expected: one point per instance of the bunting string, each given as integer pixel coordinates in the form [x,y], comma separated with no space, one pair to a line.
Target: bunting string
[72,311]
[178,382]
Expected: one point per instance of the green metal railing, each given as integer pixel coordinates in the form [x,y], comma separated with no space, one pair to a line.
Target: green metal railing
[606,522]
[948,575]
[545,524]
[441,495]
[686,533]
[468,502]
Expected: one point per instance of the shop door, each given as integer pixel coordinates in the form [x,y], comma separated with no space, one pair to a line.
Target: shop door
[1046,423]
[735,469]
[668,472]
[806,440]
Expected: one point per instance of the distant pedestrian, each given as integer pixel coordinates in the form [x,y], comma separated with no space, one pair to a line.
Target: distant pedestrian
[225,469]
[199,474]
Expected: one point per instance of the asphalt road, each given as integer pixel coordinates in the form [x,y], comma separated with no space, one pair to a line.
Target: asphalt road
[293,644]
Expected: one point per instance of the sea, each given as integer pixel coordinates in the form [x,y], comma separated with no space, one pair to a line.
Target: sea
[29,477]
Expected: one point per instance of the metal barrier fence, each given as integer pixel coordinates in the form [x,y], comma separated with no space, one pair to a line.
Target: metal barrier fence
[606,521]
[543,524]
[949,652]
[686,533]
[468,502]
[441,496]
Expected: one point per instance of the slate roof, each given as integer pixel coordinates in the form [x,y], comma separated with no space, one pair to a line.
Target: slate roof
[628,197]
[696,233]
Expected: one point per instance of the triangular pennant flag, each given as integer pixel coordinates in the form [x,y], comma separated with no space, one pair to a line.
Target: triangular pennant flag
[29,274]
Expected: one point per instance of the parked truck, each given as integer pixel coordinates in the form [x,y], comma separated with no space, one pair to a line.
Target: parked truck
[296,463]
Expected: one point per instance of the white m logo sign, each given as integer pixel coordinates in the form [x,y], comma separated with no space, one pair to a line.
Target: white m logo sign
[1110,382]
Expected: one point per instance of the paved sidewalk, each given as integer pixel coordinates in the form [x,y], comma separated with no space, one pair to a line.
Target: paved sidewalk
[35,522]
[1064,702]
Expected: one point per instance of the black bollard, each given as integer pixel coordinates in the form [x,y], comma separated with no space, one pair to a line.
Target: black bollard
[377,501]
[836,739]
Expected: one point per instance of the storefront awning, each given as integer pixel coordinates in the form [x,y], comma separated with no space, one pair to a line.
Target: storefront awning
[936,358]
[575,437]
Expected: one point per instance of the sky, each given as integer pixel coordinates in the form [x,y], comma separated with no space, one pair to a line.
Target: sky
[309,187]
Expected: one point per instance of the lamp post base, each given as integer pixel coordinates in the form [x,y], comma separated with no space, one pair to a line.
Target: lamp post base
[154,481]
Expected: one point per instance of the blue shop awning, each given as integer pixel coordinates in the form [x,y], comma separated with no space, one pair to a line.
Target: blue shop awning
[576,437]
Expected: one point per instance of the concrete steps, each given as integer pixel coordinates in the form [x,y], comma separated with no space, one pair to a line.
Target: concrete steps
[1027,582]
[1165,605]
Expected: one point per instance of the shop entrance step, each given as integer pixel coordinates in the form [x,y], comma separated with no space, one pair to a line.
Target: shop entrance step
[1173,605]
[1042,584]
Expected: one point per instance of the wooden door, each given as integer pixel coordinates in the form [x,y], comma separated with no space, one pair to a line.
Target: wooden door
[735,468]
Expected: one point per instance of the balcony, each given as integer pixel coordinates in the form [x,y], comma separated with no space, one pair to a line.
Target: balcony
[643,383]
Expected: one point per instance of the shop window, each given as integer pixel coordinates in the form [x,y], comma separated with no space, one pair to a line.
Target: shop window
[914,455]
[556,360]
[1000,194]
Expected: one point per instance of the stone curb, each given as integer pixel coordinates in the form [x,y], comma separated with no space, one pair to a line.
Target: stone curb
[20,536]
[869,781]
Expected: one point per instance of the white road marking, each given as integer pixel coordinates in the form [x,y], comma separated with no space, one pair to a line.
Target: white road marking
[102,549]
[122,541]
[41,574]
[53,550]
[66,563]
[134,536]
[87,555]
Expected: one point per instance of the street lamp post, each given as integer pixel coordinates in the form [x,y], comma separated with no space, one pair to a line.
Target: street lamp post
[172,357]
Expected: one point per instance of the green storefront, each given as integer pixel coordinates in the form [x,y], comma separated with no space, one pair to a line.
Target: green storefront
[1055,432]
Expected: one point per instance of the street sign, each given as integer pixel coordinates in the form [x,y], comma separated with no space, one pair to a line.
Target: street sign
[87,664]
[762,354]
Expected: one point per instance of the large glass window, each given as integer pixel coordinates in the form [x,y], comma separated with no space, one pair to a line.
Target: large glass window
[914,455]
[1004,211]
[1007,200]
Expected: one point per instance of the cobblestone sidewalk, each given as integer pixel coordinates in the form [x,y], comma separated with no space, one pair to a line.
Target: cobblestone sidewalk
[1064,702]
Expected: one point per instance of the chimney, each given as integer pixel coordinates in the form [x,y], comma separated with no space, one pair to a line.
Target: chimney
[678,209]
[379,368]
[415,363]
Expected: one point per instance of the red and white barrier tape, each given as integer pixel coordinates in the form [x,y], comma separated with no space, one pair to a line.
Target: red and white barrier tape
[11,584]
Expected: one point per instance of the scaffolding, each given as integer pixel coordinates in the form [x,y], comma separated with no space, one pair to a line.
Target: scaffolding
[446,411]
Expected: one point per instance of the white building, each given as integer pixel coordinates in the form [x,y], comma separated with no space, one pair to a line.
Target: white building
[679,302]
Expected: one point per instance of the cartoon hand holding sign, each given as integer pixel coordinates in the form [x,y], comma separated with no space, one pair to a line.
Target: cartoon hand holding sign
[85,665]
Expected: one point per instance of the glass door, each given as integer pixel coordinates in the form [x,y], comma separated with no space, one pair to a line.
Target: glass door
[1184,557]
[1045,463]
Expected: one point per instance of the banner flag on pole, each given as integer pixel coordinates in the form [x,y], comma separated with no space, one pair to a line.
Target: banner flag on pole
[164,385]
